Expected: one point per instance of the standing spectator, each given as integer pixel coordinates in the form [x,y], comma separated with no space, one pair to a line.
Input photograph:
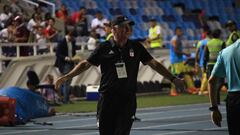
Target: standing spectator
[79,16]
[50,31]
[33,25]
[154,34]
[177,66]
[79,20]
[235,33]
[42,41]
[6,35]
[21,35]
[62,13]
[4,16]
[98,24]
[227,66]
[65,52]
[119,61]
[15,8]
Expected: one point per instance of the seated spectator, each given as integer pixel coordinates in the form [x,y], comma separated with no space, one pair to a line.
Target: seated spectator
[50,31]
[6,34]
[4,16]
[98,24]
[92,41]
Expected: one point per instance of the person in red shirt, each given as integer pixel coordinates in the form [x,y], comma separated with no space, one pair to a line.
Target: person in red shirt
[62,13]
[79,16]
[50,31]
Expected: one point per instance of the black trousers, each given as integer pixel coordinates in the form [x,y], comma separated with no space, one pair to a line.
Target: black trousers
[116,114]
[219,83]
[233,113]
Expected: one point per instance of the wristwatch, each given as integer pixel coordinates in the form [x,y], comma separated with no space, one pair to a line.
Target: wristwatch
[213,108]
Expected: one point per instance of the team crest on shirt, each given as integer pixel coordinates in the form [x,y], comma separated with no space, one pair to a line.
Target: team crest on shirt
[131,53]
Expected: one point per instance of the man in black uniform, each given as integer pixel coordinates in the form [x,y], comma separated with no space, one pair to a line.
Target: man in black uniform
[119,61]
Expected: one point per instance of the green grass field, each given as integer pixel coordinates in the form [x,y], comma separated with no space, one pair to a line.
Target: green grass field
[143,102]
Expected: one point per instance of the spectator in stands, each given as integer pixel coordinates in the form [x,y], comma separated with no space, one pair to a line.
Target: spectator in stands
[5,15]
[6,35]
[15,8]
[38,11]
[50,31]
[98,24]
[92,41]
[21,35]
[42,41]
[178,67]
[21,32]
[117,104]
[33,25]
[66,50]
[80,22]
[154,34]
[79,16]
[62,13]
[235,33]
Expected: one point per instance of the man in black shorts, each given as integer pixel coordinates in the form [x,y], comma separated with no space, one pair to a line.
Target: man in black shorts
[119,61]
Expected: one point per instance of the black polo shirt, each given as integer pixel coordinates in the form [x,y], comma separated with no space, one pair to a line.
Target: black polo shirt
[107,54]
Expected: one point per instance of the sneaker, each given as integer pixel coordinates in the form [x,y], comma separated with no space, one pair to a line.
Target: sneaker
[173,93]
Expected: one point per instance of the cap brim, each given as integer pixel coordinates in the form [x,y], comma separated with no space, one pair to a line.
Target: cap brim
[124,22]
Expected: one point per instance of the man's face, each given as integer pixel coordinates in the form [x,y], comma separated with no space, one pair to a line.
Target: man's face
[152,23]
[99,16]
[120,32]
[179,32]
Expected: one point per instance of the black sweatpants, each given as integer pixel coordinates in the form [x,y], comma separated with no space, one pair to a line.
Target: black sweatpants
[219,82]
[116,113]
[233,113]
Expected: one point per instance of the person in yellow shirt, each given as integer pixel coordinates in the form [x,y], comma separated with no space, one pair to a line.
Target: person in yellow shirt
[154,35]
[235,33]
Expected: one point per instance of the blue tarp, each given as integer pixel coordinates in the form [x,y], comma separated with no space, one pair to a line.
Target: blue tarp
[29,104]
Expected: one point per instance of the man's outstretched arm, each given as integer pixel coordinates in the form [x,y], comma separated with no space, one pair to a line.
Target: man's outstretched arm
[78,69]
[154,64]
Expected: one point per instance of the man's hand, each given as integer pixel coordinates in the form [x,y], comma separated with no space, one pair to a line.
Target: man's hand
[216,117]
[179,84]
[67,59]
[59,82]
